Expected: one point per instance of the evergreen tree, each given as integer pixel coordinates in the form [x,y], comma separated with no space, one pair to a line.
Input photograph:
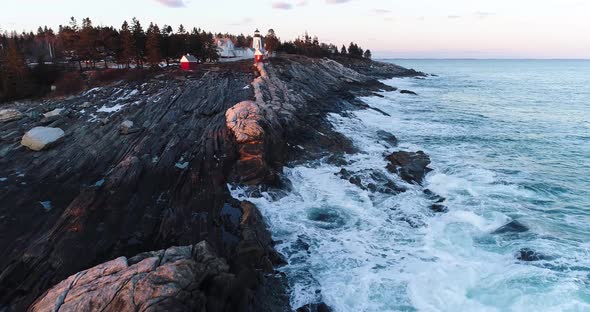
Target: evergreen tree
[15,80]
[165,46]
[68,39]
[86,47]
[271,42]
[195,44]
[209,48]
[368,54]
[343,51]
[153,45]
[139,40]
[107,43]
[241,41]
[127,45]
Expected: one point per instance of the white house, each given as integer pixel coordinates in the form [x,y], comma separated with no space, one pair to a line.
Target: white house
[225,47]
[227,50]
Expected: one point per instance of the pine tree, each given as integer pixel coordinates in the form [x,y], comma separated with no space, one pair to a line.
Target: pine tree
[153,46]
[165,43]
[271,42]
[15,80]
[368,54]
[86,47]
[68,38]
[127,51]
[343,51]
[139,40]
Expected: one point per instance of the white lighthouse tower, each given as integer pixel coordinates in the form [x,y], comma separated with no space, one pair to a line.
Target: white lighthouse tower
[258,47]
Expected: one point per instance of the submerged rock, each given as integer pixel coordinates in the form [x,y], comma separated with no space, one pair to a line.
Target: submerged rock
[408,92]
[438,208]
[411,167]
[527,254]
[7,115]
[40,138]
[511,227]
[176,279]
[387,137]
[315,307]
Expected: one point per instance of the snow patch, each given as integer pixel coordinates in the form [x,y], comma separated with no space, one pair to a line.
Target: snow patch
[182,166]
[113,109]
[46,205]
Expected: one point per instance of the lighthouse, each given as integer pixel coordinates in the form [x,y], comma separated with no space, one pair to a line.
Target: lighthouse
[257,46]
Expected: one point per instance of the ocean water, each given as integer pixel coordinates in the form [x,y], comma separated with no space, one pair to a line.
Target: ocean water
[509,140]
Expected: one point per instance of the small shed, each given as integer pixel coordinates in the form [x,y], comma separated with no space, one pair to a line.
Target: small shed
[188,62]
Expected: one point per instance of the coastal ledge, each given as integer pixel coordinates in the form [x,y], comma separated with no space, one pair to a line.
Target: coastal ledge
[100,195]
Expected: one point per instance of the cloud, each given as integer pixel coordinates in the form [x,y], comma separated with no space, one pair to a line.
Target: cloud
[337,1]
[173,3]
[302,3]
[484,14]
[381,11]
[282,5]
[454,16]
[245,21]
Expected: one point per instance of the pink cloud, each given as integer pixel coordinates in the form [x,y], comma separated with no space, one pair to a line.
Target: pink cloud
[172,3]
[282,5]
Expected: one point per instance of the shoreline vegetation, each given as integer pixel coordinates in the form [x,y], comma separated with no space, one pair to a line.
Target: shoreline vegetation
[130,208]
[63,62]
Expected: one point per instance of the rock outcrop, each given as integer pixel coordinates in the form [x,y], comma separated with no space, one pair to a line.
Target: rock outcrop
[116,195]
[245,120]
[188,278]
[513,226]
[410,166]
[40,138]
[54,113]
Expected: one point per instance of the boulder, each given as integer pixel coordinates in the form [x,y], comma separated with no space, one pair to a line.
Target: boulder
[511,227]
[7,115]
[85,105]
[40,138]
[126,127]
[54,113]
[175,279]
[411,166]
[387,137]
[243,120]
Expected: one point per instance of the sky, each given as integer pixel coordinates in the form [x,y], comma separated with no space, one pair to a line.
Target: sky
[390,28]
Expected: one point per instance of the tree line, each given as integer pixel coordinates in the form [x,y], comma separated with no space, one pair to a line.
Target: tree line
[30,62]
[85,45]
[311,46]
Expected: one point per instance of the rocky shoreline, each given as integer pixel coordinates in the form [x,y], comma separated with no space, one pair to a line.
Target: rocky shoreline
[145,166]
